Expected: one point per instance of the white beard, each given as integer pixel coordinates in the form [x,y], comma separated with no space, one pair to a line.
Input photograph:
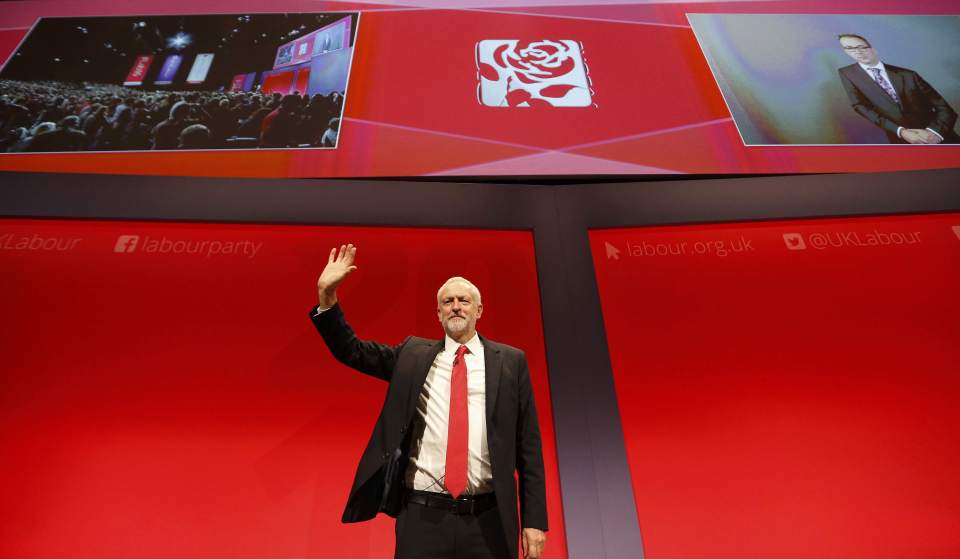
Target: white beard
[457,324]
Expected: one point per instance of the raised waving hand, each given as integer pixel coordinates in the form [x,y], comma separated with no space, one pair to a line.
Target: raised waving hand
[339,266]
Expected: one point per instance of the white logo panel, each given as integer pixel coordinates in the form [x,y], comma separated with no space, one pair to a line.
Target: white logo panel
[543,73]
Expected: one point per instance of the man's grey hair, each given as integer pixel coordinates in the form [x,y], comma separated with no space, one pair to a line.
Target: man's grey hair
[458,279]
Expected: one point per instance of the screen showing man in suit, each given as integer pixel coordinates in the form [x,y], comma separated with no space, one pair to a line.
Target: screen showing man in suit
[898,100]
[458,420]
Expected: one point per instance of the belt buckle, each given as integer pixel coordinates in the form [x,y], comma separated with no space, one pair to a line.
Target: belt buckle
[463,506]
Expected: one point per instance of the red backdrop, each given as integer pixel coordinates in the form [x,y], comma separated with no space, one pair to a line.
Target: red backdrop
[279,82]
[789,402]
[180,404]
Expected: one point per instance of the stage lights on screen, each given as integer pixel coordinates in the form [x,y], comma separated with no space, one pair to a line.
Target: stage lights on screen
[179,41]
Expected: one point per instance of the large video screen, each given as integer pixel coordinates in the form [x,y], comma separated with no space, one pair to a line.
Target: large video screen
[479,89]
[796,79]
[789,389]
[188,83]
[164,393]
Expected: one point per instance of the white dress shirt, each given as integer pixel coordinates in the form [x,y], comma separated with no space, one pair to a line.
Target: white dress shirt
[428,445]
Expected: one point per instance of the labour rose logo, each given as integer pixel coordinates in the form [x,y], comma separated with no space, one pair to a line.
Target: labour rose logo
[514,73]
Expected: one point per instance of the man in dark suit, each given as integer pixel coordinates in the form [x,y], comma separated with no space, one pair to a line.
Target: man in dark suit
[458,421]
[898,100]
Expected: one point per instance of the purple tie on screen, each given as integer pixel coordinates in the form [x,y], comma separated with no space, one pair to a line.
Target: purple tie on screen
[882,82]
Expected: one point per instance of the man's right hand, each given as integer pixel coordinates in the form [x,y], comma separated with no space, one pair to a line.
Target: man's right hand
[919,136]
[339,266]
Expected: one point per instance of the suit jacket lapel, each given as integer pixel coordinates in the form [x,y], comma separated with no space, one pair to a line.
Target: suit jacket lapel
[493,363]
[424,362]
[872,89]
[896,80]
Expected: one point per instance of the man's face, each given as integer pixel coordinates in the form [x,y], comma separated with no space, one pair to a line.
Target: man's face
[458,311]
[859,50]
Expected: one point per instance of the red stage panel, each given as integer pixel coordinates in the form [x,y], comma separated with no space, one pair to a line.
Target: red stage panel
[303,78]
[789,389]
[278,83]
[165,395]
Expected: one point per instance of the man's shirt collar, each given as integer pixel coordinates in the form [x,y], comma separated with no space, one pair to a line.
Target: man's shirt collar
[474,345]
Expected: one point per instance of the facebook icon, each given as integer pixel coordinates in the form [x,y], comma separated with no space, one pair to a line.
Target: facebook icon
[126,243]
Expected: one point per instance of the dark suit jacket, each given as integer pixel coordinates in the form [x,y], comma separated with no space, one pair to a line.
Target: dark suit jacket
[921,106]
[513,433]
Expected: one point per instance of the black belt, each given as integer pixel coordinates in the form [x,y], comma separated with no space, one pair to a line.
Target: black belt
[464,505]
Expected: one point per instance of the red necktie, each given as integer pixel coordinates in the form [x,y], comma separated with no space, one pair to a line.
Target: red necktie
[458,427]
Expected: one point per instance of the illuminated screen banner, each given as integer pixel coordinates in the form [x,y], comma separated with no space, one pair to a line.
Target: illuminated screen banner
[178,384]
[332,37]
[238,82]
[635,88]
[788,389]
[200,69]
[249,80]
[169,69]
[139,70]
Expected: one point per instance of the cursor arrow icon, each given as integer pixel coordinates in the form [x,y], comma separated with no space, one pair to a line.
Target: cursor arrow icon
[612,251]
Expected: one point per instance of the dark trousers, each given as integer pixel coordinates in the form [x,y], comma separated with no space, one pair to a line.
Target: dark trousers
[429,533]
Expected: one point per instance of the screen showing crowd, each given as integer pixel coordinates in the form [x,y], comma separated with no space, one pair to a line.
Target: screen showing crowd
[231,81]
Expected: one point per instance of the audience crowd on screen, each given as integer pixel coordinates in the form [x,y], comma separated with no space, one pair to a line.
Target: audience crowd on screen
[56,116]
